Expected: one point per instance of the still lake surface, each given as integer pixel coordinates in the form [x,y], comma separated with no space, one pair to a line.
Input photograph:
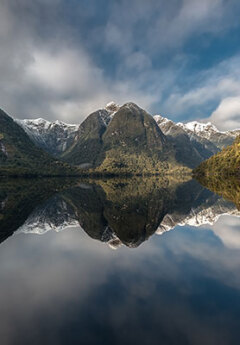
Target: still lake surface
[134,261]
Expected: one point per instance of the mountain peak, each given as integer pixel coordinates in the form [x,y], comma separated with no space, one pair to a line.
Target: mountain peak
[197,127]
[112,107]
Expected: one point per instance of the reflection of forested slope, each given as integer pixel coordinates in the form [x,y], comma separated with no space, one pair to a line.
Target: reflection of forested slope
[228,188]
[221,173]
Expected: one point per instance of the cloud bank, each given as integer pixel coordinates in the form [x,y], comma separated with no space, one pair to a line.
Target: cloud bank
[64,59]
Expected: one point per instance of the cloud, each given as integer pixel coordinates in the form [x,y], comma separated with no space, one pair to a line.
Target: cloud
[63,60]
[227,229]
[55,77]
[227,114]
[156,24]
[210,95]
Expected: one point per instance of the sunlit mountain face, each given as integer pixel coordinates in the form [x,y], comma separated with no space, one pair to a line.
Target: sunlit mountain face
[173,279]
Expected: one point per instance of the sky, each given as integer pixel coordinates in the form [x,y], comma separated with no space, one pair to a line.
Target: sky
[63,59]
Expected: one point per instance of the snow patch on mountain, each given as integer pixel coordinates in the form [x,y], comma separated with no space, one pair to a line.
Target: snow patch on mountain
[39,125]
[112,108]
[198,127]
[54,137]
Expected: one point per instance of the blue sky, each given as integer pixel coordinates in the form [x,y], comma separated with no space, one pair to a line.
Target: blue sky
[62,59]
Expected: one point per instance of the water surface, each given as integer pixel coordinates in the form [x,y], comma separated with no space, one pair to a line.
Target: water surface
[145,261]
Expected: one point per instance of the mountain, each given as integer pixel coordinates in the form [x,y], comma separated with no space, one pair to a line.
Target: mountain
[128,141]
[87,144]
[54,137]
[191,150]
[20,156]
[210,133]
[195,141]
[57,137]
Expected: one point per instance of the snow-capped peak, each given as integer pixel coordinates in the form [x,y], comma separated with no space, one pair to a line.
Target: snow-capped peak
[198,127]
[161,120]
[112,107]
[34,123]
[55,137]
[45,124]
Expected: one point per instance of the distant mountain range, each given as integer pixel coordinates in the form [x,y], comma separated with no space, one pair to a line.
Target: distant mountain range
[193,141]
[114,140]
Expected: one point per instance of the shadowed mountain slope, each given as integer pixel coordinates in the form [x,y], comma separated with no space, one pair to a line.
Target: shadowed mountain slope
[20,156]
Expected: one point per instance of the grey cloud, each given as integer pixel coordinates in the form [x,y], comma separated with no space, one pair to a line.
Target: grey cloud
[49,68]
[53,77]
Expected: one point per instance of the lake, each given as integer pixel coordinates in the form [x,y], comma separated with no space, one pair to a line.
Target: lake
[118,261]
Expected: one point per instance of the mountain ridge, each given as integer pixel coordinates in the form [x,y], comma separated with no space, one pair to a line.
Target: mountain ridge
[119,140]
[20,156]
[195,141]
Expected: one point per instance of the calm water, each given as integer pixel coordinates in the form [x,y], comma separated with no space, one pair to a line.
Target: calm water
[118,262]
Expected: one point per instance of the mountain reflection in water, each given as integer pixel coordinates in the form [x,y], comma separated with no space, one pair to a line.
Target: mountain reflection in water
[116,211]
[66,288]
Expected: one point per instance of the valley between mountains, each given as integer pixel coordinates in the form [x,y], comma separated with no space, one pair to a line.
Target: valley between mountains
[117,140]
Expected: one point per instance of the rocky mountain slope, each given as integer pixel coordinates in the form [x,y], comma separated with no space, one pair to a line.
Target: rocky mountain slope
[190,149]
[195,141]
[20,156]
[130,142]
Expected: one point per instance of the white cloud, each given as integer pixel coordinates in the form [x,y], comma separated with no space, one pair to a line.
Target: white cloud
[227,229]
[76,86]
[213,96]
[227,114]
[63,71]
